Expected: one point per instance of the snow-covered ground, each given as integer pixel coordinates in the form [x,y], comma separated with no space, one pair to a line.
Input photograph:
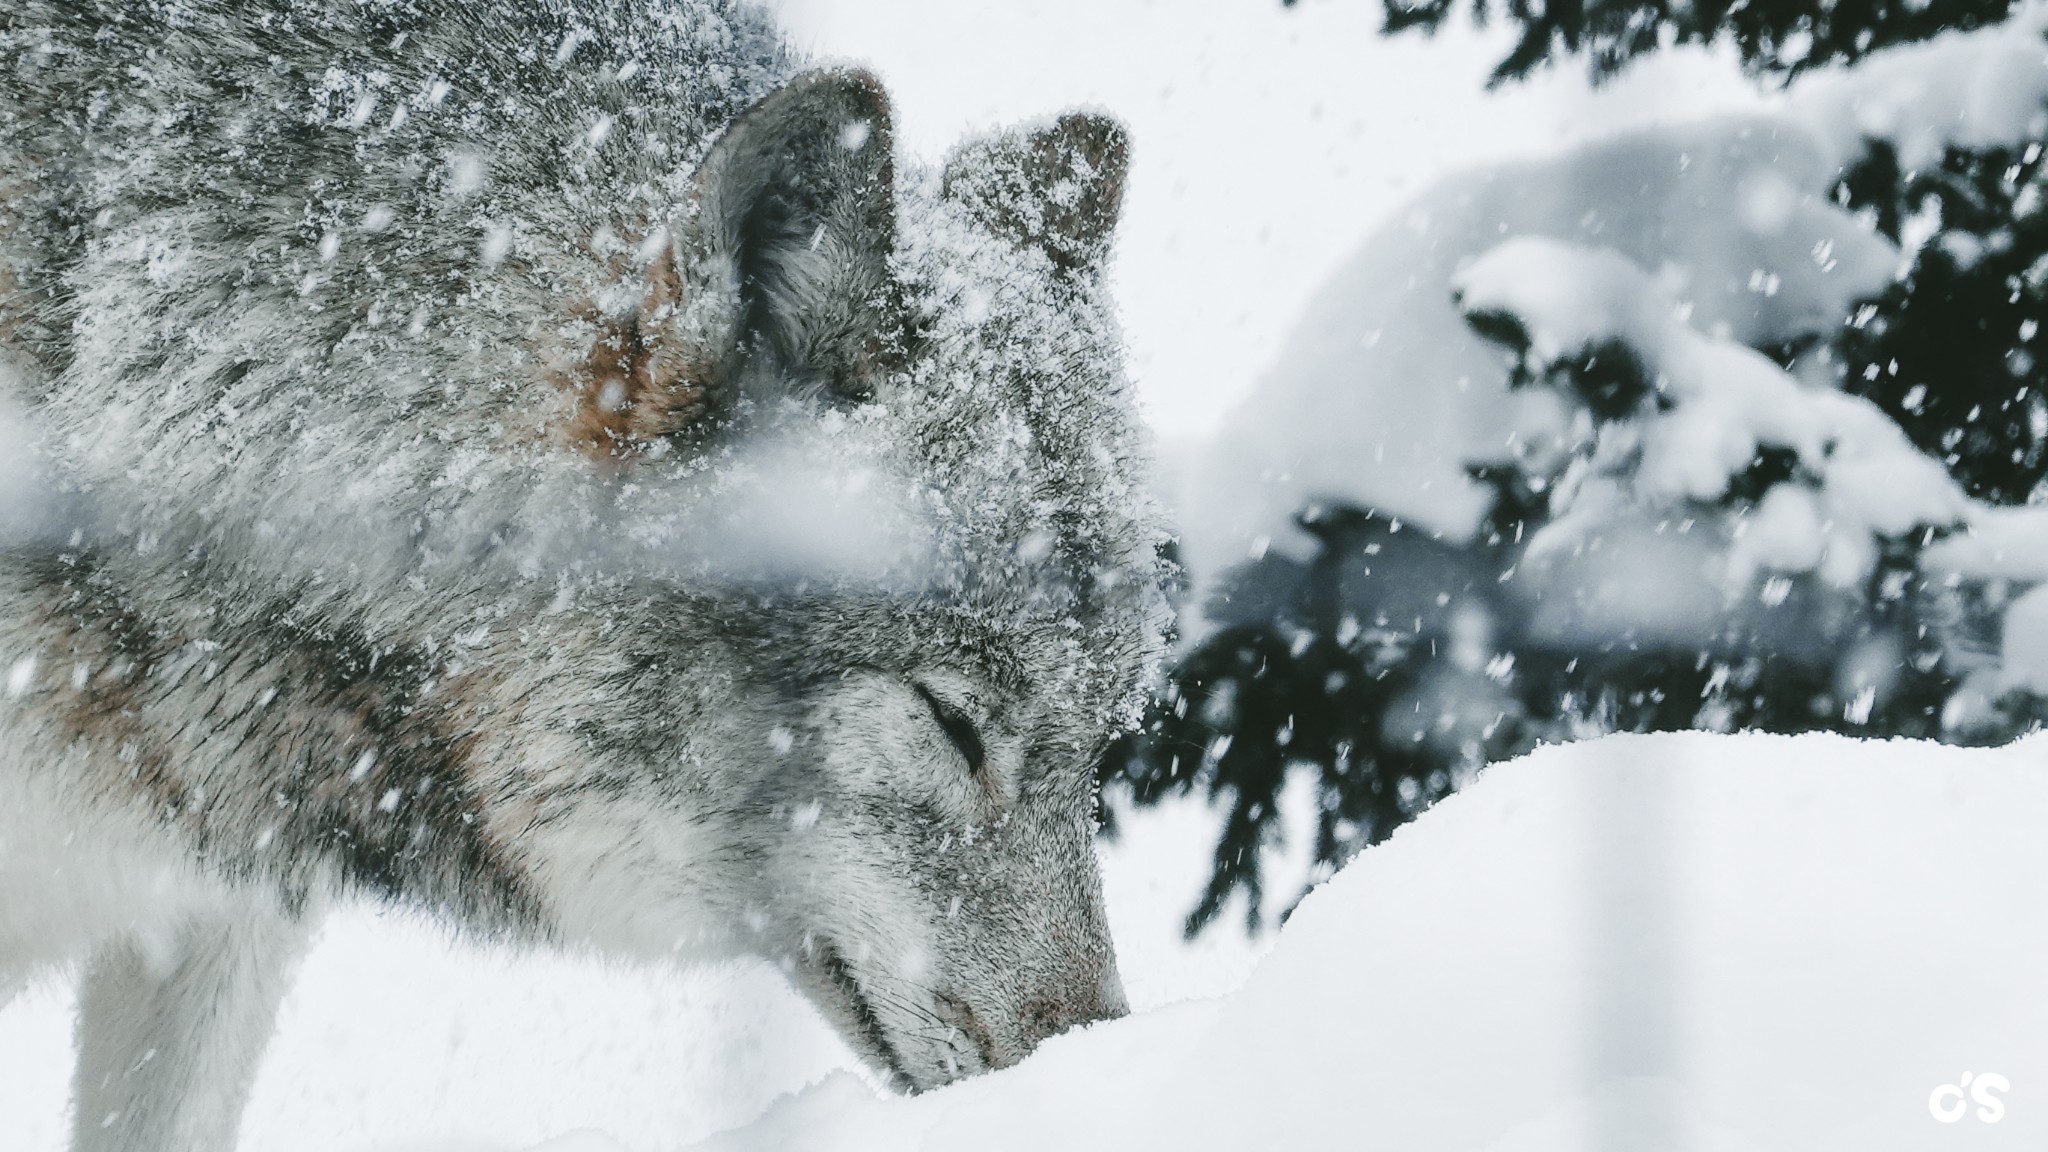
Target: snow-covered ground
[1715,943]
[1693,941]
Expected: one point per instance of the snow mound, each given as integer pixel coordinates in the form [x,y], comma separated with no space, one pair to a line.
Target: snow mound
[1718,943]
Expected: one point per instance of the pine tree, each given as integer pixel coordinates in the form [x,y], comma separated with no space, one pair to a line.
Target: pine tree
[1317,666]
[1955,351]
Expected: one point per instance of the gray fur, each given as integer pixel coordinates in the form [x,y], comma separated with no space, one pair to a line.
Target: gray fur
[583,501]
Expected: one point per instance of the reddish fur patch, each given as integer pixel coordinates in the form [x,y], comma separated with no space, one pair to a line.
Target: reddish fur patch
[637,383]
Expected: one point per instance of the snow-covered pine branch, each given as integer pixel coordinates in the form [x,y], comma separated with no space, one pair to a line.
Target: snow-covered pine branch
[1672,420]
[1685,414]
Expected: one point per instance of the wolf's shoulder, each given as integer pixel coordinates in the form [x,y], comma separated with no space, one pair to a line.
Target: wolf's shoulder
[256,102]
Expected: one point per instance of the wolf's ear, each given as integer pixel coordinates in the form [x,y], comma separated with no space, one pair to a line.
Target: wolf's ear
[1058,189]
[796,203]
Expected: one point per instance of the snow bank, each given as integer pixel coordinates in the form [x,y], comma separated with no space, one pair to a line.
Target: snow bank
[1679,941]
[1717,404]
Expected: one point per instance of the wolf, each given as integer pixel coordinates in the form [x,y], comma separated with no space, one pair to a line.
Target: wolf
[548,465]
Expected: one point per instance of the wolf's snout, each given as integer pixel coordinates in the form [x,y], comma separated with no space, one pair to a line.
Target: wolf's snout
[1044,1018]
[1036,1019]
[1082,1001]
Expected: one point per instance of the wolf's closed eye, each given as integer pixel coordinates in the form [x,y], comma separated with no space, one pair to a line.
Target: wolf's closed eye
[959,729]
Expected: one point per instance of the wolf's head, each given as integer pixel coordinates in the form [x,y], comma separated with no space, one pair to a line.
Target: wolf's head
[587,521]
[888,781]
[686,540]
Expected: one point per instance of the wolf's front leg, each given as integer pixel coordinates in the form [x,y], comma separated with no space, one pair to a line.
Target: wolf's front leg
[169,1035]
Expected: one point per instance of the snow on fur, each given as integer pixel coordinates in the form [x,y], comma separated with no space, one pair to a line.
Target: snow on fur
[547,467]
[424,252]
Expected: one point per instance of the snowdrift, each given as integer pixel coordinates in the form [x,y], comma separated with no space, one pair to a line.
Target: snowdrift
[1641,942]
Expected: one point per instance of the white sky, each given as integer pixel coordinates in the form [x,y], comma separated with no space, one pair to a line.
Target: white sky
[1267,141]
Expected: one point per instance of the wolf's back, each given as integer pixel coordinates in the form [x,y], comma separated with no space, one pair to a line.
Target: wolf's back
[284,117]
[284,271]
